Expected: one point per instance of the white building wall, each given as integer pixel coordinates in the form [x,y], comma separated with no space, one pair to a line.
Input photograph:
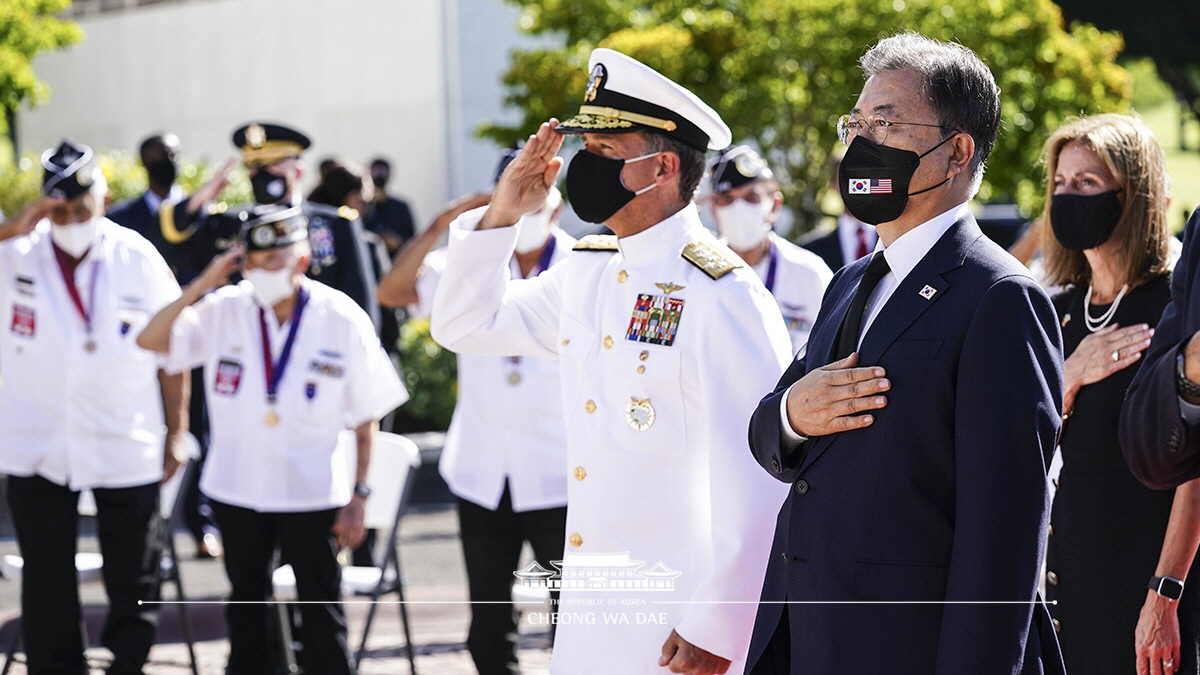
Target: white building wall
[407,79]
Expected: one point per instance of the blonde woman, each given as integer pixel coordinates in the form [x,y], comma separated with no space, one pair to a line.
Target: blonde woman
[1111,537]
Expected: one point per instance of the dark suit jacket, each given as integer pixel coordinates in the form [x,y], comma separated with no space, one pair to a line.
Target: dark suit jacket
[1161,449]
[943,498]
[828,246]
[136,215]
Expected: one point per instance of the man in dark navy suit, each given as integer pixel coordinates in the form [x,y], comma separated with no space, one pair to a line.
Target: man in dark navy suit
[917,428]
[1159,419]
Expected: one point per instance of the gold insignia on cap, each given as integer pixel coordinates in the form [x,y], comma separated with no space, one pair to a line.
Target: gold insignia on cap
[746,166]
[594,82]
[596,242]
[263,235]
[255,135]
[714,259]
[669,288]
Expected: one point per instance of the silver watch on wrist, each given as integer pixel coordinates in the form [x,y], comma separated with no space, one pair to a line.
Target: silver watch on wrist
[362,489]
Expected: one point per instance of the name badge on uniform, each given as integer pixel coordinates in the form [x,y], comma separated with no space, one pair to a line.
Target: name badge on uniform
[229,377]
[655,319]
[24,320]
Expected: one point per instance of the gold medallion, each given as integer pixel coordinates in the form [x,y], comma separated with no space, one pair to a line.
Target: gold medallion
[272,418]
[90,345]
[514,378]
[640,414]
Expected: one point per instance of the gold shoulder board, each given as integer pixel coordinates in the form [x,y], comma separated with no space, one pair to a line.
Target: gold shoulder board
[596,242]
[716,261]
[347,213]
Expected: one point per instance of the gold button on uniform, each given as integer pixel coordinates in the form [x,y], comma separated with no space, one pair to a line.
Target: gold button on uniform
[1052,578]
[641,369]
[608,342]
[580,474]
[590,406]
[576,540]
[644,355]
[566,342]
[622,276]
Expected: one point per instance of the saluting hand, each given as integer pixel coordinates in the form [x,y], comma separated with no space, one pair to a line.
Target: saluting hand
[828,399]
[527,180]
[27,218]
[1101,354]
[219,268]
[682,656]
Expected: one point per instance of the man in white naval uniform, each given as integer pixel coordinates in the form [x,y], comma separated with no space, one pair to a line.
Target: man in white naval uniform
[745,202]
[509,480]
[82,406]
[662,336]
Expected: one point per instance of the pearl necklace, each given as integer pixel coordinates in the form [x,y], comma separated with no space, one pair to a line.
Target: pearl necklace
[1101,321]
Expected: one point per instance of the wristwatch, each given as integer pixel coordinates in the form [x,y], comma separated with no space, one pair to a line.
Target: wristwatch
[1184,386]
[362,490]
[1167,587]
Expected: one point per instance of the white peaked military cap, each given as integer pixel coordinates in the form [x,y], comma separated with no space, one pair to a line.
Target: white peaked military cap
[624,95]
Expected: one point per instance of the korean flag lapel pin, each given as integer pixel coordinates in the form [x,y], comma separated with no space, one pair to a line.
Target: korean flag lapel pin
[928,292]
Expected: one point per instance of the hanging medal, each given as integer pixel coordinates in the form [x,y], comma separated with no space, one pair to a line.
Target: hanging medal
[274,369]
[514,375]
[68,273]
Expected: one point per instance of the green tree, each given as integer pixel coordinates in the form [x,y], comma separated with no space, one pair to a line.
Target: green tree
[28,28]
[781,71]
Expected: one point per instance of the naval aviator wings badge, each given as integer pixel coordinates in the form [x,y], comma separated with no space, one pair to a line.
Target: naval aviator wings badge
[655,319]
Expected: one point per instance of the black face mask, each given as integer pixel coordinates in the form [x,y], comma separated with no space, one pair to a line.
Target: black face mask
[595,188]
[379,179]
[268,188]
[873,179]
[162,172]
[1081,222]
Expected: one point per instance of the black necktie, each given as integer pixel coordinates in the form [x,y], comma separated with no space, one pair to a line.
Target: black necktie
[852,323]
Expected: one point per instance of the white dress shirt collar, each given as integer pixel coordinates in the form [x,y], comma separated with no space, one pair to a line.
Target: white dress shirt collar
[908,250]
[154,202]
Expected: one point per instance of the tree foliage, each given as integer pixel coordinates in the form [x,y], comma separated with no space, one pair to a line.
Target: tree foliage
[28,28]
[1168,32]
[780,72]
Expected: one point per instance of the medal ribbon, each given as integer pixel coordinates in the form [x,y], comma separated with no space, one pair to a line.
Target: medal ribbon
[68,274]
[274,371]
[772,265]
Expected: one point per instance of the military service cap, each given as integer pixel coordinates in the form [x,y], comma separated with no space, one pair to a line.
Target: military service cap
[273,226]
[623,95]
[69,171]
[737,166]
[263,143]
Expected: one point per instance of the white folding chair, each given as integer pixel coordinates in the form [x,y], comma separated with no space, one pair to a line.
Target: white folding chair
[394,463]
[89,565]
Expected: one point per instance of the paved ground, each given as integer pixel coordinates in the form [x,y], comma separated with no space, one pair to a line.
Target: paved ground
[436,590]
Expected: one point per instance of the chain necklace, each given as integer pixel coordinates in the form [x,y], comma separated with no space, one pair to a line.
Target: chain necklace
[1101,321]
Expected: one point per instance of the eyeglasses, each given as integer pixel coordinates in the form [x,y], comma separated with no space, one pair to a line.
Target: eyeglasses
[876,127]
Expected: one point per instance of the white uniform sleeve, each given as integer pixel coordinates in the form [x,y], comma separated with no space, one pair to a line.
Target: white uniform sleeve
[427,283]
[742,360]
[478,309]
[373,387]
[189,333]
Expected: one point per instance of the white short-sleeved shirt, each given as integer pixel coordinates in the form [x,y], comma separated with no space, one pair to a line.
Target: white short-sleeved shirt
[484,448]
[338,377]
[81,418]
[798,285]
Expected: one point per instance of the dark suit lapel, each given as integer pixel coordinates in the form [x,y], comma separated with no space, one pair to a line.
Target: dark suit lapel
[906,304]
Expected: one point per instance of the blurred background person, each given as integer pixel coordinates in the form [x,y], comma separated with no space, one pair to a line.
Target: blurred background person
[389,217]
[1111,536]
[159,154]
[83,406]
[509,478]
[745,201]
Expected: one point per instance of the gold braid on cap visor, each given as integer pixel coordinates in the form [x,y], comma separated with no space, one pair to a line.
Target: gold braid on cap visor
[270,152]
[613,113]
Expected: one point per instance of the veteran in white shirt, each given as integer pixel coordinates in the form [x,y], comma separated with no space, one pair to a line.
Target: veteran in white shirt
[509,479]
[82,406]
[745,201]
[662,337]
[289,364]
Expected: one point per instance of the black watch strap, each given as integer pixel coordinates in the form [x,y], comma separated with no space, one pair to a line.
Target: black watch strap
[1167,587]
[1184,386]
